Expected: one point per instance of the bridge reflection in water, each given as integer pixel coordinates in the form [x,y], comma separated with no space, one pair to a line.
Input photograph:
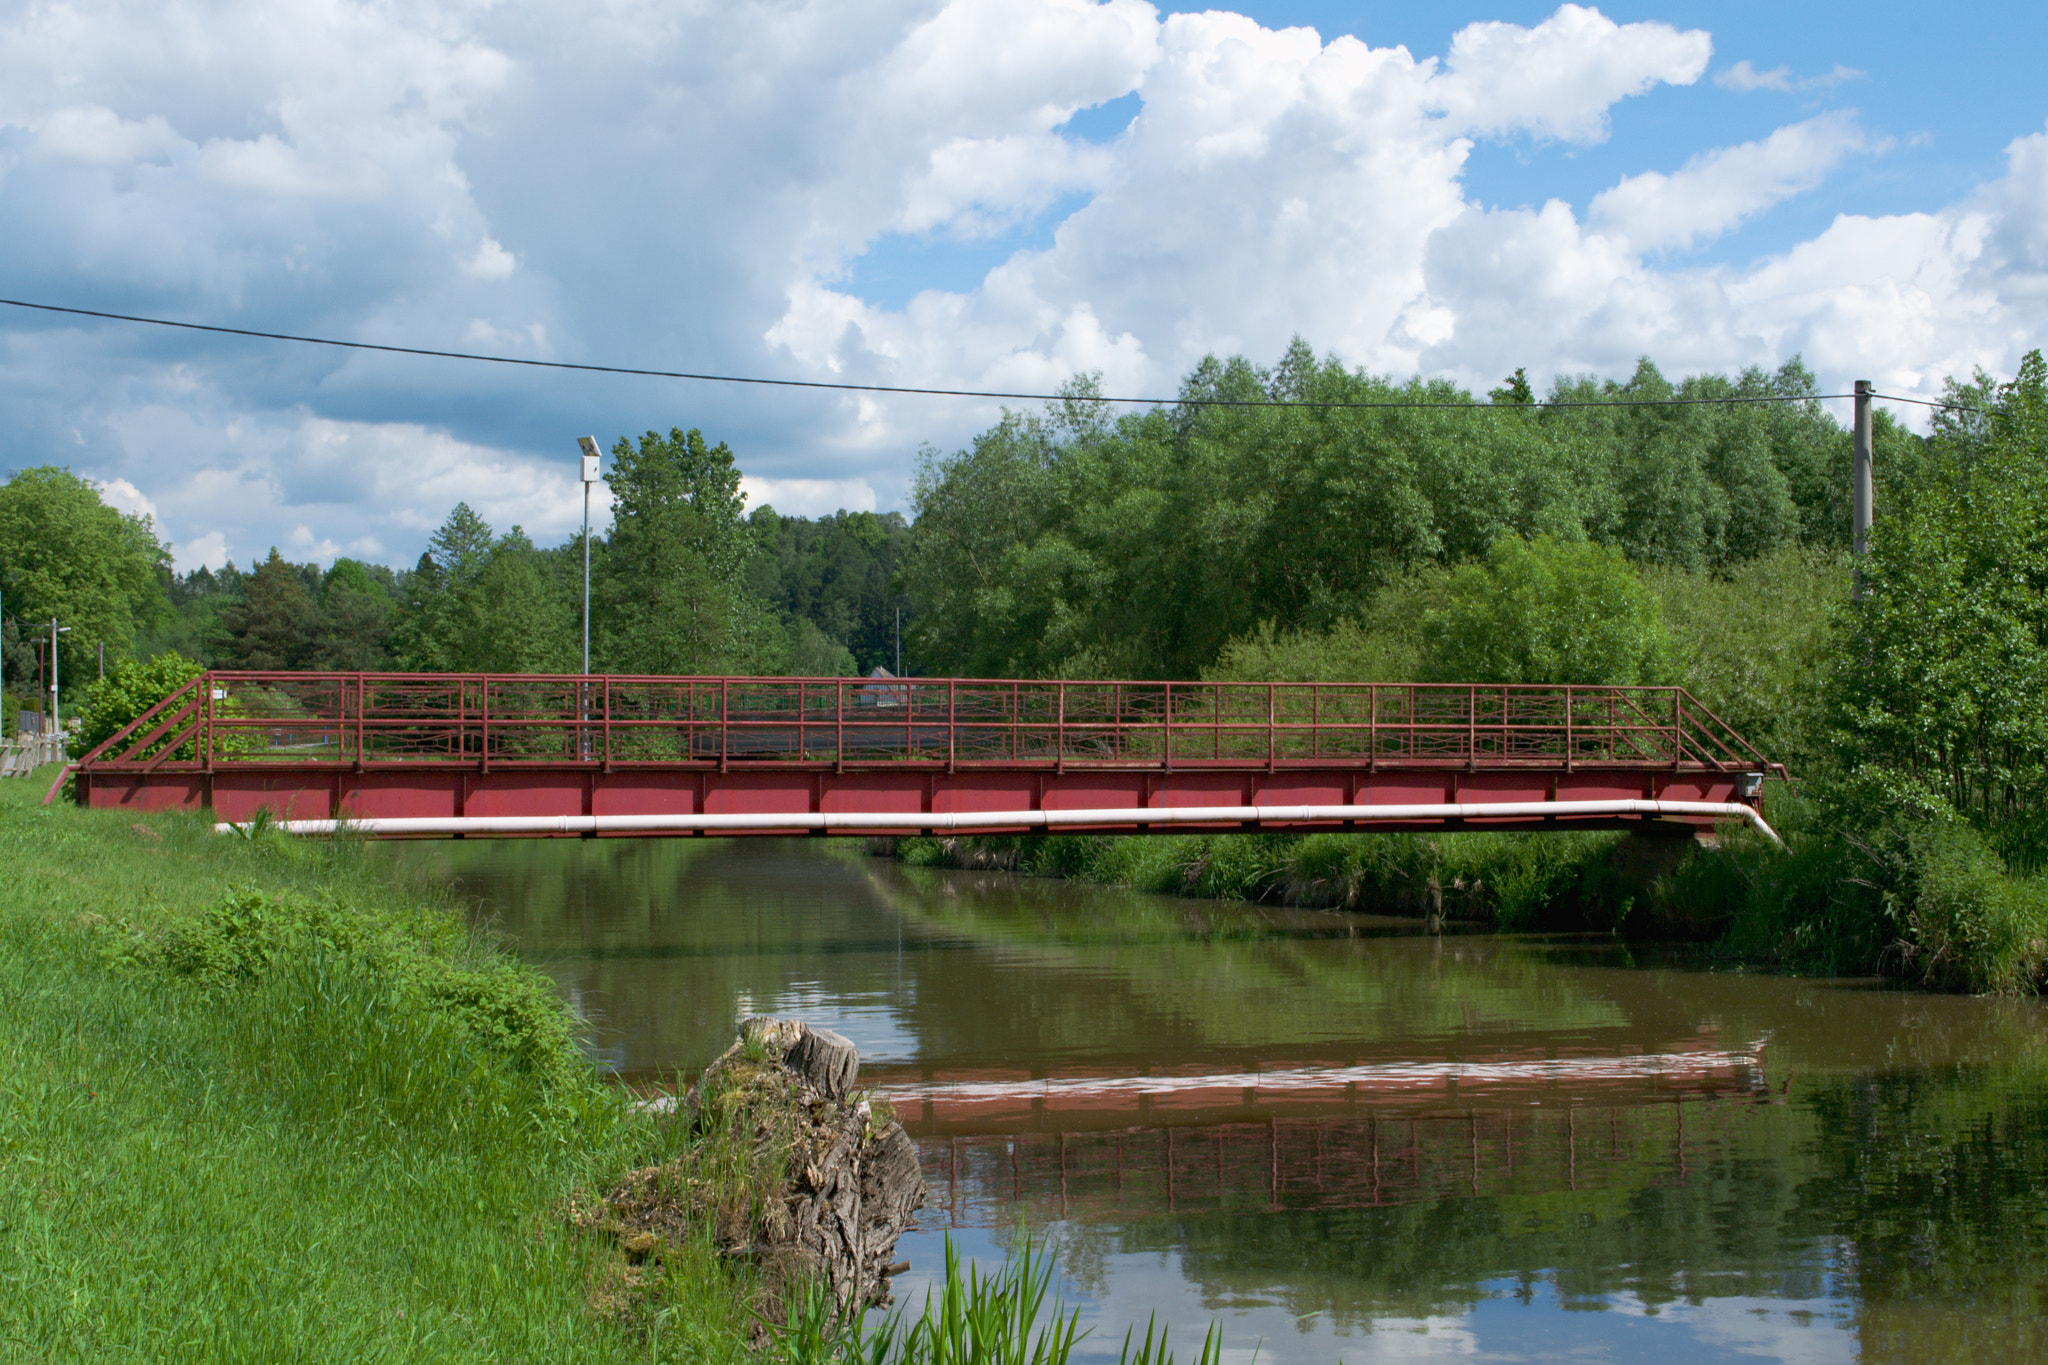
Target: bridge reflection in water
[1372,1135]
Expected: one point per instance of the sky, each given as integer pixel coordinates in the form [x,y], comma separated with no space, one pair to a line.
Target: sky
[986,194]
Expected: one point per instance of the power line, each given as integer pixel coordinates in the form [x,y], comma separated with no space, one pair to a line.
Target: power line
[941,393]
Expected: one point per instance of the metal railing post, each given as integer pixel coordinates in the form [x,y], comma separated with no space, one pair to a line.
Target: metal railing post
[1677,728]
[1571,748]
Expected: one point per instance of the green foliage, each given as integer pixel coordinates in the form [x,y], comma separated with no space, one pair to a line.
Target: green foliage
[1509,881]
[1751,644]
[797,648]
[837,575]
[1072,543]
[1942,669]
[126,692]
[1002,1317]
[418,957]
[1383,643]
[355,619]
[273,626]
[1546,611]
[65,554]
[672,594]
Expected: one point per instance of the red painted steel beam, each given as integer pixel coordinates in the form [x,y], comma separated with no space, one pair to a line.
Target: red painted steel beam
[324,746]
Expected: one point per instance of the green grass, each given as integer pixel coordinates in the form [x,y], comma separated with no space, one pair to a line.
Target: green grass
[257,1104]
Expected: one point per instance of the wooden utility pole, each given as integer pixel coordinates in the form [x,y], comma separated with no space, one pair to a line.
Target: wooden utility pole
[1862,494]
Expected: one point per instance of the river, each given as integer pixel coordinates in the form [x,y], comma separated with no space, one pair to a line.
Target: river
[1336,1137]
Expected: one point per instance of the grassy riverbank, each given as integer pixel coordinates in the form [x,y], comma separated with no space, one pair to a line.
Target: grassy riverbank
[260,1104]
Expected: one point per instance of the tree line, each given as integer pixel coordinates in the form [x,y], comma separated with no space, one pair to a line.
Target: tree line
[687,581]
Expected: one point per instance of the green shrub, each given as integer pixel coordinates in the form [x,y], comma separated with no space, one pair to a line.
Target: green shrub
[130,690]
[1881,875]
[422,960]
[1547,611]
[1963,923]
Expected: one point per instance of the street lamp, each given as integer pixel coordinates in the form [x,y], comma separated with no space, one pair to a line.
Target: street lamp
[56,725]
[590,464]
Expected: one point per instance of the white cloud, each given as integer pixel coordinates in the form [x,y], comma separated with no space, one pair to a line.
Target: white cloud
[124,496]
[706,188]
[490,262]
[209,551]
[1560,78]
[1744,77]
[809,497]
[98,136]
[1717,190]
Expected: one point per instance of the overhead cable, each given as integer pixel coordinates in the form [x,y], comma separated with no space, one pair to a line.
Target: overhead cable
[945,393]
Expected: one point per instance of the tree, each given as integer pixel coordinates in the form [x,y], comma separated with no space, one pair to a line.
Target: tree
[274,625]
[1514,389]
[1942,668]
[1067,543]
[354,620]
[837,573]
[1546,611]
[428,634]
[672,597]
[65,553]
[515,616]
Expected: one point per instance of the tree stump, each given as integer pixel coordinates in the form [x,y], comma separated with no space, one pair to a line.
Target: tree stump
[847,1178]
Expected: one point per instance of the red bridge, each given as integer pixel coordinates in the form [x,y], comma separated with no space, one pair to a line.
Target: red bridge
[397,755]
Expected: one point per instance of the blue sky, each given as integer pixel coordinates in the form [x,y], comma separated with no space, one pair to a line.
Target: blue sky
[957,193]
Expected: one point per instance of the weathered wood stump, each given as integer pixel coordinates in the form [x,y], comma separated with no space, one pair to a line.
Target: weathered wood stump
[838,1181]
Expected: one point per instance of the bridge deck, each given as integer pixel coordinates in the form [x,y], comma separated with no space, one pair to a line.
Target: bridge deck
[367,746]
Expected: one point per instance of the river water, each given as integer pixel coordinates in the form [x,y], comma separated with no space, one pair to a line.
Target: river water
[1335,1137]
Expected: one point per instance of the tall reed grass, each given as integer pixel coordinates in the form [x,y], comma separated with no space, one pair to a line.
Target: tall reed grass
[1007,1316]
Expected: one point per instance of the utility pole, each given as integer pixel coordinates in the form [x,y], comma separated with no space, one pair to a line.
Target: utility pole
[899,639]
[1863,443]
[1861,496]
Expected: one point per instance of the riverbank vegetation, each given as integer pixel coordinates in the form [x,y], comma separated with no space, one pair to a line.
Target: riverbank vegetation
[264,1102]
[261,1104]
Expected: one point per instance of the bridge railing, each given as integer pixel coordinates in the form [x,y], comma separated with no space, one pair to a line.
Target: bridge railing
[372,719]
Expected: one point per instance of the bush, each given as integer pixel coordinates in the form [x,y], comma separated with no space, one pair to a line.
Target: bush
[1547,611]
[130,690]
[423,962]
[1882,876]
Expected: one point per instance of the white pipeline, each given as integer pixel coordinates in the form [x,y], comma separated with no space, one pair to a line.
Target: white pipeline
[966,822]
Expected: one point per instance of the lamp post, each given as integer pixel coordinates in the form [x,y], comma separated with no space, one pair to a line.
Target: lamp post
[56,725]
[590,466]
[590,469]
